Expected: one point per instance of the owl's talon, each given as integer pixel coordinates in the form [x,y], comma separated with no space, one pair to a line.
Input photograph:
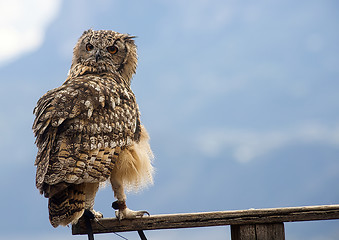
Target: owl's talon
[129,214]
[97,214]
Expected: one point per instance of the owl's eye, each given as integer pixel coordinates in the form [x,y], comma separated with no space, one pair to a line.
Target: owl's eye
[89,47]
[112,49]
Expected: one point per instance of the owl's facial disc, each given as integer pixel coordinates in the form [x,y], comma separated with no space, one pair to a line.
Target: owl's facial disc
[101,53]
[105,51]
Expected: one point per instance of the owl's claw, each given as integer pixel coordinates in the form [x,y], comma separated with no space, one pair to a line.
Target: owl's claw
[128,214]
[97,214]
[122,212]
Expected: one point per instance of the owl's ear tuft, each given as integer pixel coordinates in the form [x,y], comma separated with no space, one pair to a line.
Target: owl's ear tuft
[129,38]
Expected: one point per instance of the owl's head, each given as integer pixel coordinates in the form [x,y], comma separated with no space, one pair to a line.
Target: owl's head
[105,51]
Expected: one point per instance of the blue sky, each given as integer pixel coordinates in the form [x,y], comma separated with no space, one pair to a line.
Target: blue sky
[240,99]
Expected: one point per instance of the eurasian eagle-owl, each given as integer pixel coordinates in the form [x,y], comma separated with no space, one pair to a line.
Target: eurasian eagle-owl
[88,130]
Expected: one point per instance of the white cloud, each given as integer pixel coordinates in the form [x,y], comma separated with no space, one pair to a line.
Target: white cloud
[248,145]
[23,25]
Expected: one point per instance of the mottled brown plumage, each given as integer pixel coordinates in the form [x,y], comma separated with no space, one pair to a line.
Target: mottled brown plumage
[88,130]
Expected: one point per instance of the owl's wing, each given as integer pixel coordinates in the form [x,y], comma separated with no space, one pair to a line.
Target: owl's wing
[80,122]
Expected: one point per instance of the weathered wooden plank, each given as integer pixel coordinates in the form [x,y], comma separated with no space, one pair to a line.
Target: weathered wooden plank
[204,219]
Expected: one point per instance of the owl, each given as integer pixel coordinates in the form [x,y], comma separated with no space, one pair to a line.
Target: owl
[88,131]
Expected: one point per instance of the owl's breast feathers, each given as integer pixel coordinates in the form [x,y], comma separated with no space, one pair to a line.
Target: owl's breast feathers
[80,126]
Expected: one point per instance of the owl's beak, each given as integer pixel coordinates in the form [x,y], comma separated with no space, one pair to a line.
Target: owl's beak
[98,55]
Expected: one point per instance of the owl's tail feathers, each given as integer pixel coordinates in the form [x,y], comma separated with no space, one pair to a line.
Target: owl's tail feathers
[67,206]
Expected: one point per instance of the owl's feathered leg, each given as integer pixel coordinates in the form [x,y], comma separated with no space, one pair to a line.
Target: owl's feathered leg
[120,205]
[91,190]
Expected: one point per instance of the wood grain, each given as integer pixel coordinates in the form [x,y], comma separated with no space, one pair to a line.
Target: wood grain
[270,231]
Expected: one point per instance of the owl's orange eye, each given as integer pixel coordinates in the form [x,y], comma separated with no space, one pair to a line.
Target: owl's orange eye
[89,47]
[112,49]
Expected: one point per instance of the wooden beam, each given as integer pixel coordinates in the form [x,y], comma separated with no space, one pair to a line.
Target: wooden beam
[270,231]
[205,219]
